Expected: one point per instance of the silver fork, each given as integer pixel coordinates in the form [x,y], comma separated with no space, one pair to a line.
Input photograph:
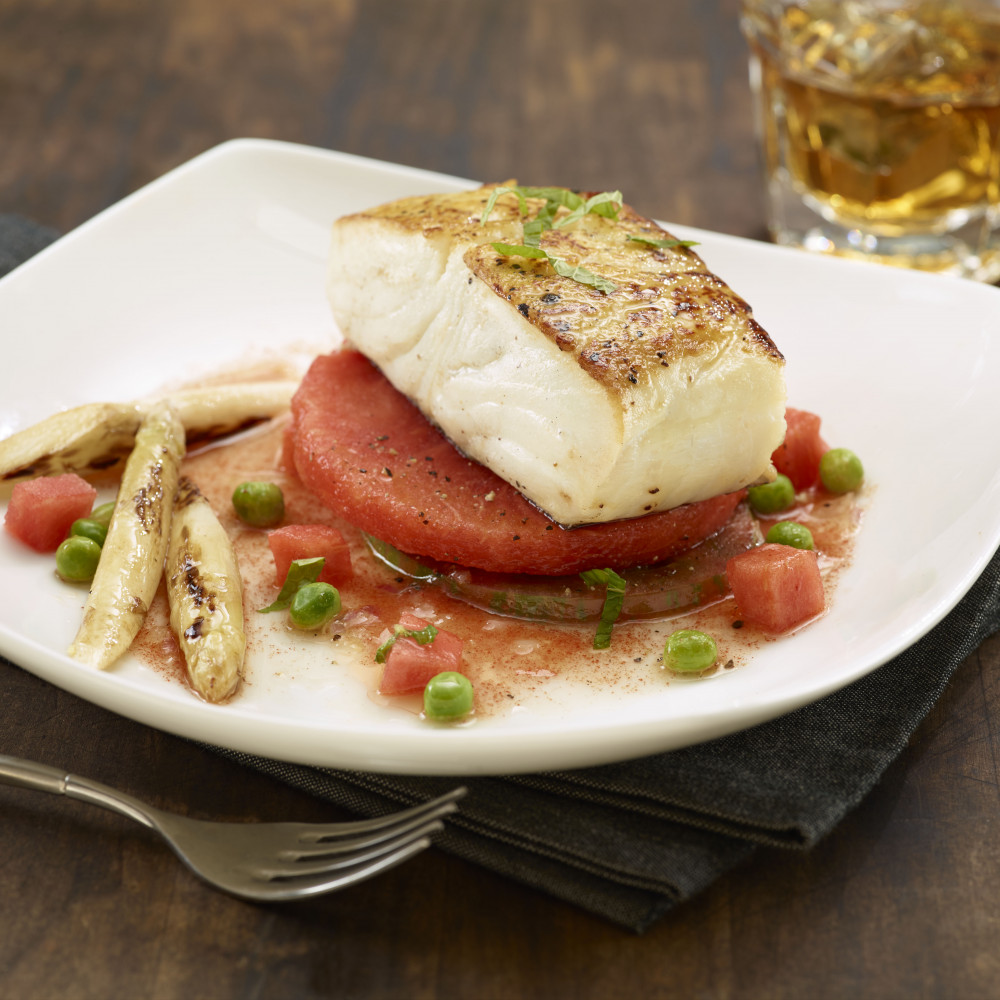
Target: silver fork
[260,861]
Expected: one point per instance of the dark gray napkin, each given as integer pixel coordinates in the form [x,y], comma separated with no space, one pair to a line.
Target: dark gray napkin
[21,239]
[629,841]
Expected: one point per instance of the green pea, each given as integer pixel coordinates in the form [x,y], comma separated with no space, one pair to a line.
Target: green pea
[790,533]
[769,498]
[102,514]
[77,558]
[689,651]
[448,695]
[87,527]
[313,605]
[261,505]
[840,470]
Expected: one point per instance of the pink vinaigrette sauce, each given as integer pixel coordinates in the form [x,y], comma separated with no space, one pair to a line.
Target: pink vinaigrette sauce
[505,658]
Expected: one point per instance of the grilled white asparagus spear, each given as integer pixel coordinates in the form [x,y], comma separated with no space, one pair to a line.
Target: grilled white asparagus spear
[208,414]
[206,595]
[132,559]
[92,437]
[98,436]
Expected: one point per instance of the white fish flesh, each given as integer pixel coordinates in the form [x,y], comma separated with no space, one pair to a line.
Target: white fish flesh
[596,405]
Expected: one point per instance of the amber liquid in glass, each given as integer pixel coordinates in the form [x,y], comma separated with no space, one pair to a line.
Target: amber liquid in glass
[889,133]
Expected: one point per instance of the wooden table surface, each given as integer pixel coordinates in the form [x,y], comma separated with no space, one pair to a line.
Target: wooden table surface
[98,97]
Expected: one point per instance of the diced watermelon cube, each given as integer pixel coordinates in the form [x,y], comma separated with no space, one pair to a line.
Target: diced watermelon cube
[41,511]
[410,665]
[798,456]
[776,586]
[306,541]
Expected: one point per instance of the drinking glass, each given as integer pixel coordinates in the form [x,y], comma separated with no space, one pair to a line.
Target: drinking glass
[879,122]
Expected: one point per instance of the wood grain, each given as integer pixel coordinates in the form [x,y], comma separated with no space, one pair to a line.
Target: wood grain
[98,97]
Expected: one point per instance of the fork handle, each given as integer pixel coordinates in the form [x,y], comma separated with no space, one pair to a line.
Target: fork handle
[42,778]
[28,774]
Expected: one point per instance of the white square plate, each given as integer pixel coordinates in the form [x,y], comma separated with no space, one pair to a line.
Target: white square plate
[223,260]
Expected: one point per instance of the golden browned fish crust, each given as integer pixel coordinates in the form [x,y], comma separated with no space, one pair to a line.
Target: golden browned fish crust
[589,400]
[666,304]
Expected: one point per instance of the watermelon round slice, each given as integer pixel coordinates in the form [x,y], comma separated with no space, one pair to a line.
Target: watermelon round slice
[371,456]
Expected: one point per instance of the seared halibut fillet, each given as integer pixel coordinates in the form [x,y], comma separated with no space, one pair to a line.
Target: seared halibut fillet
[595,405]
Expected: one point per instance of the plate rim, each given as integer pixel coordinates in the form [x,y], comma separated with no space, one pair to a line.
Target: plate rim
[150,701]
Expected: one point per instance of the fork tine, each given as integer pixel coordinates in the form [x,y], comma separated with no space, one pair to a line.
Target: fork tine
[285,889]
[440,806]
[346,845]
[331,863]
[220,852]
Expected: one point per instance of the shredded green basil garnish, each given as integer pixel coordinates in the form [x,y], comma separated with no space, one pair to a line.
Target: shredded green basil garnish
[582,275]
[422,635]
[518,250]
[664,244]
[560,197]
[613,598]
[497,192]
[605,204]
[300,572]
[554,197]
